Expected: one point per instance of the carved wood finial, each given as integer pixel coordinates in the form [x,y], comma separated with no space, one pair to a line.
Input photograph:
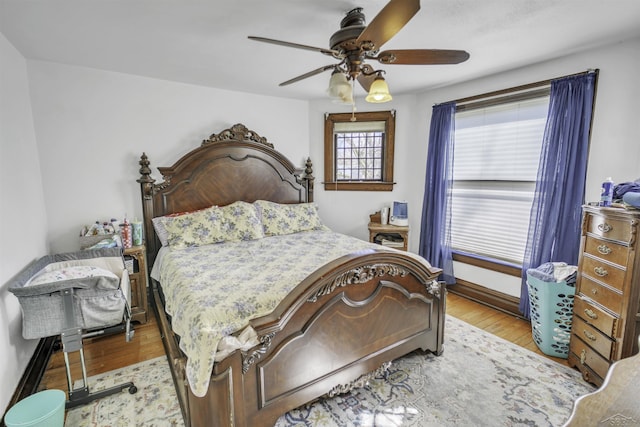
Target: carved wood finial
[237,132]
[308,179]
[308,169]
[145,170]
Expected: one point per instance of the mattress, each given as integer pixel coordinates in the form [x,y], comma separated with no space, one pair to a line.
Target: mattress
[212,291]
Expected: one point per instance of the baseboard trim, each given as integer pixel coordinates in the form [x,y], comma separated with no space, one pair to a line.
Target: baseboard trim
[492,298]
[34,372]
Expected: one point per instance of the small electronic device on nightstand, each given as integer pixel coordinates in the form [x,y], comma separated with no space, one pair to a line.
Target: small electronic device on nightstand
[399,214]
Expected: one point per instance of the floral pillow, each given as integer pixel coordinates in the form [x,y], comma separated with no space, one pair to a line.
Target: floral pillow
[161,231]
[197,228]
[241,222]
[279,219]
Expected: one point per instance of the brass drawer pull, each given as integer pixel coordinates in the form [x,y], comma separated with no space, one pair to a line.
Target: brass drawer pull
[604,227]
[590,313]
[589,335]
[600,271]
[583,356]
[594,291]
[604,249]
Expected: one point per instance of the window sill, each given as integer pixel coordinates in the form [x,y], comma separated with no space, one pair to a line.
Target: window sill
[358,186]
[501,267]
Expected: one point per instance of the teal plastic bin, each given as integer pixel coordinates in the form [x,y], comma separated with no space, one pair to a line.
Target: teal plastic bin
[43,409]
[551,310]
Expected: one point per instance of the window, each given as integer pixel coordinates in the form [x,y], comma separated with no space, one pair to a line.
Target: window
[358,155]
[496,156]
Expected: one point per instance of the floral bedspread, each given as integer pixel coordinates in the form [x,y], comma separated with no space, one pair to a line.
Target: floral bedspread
[214,290]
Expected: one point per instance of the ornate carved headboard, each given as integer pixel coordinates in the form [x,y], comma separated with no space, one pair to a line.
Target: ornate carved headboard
[235,164]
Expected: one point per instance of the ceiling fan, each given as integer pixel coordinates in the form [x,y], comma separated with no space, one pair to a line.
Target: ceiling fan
[355,43]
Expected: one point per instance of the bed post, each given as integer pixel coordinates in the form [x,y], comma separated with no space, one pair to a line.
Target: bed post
[308,179]
[146,189]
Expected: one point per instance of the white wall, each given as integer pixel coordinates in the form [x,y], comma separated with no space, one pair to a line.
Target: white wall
[92,126]
[22,212]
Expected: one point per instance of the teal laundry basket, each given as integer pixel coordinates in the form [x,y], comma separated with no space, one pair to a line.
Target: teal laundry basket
[551,304]
[43,409]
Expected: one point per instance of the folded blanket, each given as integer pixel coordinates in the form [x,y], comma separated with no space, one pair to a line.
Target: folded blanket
[625,187]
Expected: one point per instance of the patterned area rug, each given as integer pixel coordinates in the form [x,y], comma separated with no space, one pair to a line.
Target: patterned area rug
[154,404]
[480,380]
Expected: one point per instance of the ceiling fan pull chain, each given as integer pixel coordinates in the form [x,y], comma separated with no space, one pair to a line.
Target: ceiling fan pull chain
[353,101]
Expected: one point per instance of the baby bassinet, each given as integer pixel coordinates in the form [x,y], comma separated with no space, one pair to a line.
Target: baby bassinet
[76,295]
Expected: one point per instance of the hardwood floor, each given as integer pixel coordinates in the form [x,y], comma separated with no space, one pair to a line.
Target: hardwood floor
[506,326]
[104,354]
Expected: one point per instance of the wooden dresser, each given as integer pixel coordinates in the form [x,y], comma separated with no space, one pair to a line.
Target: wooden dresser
[606,321]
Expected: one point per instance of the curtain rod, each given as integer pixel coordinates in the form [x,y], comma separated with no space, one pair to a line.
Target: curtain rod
[517,88]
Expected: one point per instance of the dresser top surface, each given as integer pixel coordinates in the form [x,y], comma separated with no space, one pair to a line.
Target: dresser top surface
[613,211]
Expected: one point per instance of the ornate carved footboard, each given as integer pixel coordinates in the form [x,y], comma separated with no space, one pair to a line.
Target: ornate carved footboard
[341,323]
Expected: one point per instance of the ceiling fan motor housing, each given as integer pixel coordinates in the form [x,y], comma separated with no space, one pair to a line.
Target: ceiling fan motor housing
[350,28]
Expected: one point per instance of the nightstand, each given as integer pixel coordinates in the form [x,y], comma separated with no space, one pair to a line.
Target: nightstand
[388,235]
[136,260]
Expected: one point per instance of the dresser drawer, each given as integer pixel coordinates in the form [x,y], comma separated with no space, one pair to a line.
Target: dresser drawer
[610,228]
[587,356]
[603,272]
[595,316]
[608,251]
[601,294]
[596,339]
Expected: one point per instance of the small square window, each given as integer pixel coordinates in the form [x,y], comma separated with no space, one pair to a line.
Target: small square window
[359,153]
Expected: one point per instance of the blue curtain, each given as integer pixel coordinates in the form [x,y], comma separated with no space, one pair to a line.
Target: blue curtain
[435,239]
[554,226]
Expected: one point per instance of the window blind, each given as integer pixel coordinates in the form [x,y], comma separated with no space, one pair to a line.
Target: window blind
[496,156]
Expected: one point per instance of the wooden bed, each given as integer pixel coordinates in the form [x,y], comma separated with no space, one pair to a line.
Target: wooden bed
[367,308]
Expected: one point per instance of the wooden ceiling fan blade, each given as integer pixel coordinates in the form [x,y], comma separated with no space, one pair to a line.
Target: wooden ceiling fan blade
[330,52]
[366,77]
[388,22]
[309,74]
[422,56]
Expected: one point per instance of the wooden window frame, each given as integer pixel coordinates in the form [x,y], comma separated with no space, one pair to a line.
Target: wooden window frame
[386,183]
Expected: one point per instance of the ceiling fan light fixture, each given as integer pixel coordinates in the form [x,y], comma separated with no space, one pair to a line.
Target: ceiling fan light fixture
[379,91]
[340,90]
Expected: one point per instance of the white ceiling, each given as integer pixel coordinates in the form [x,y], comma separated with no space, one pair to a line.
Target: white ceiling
[205,42]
